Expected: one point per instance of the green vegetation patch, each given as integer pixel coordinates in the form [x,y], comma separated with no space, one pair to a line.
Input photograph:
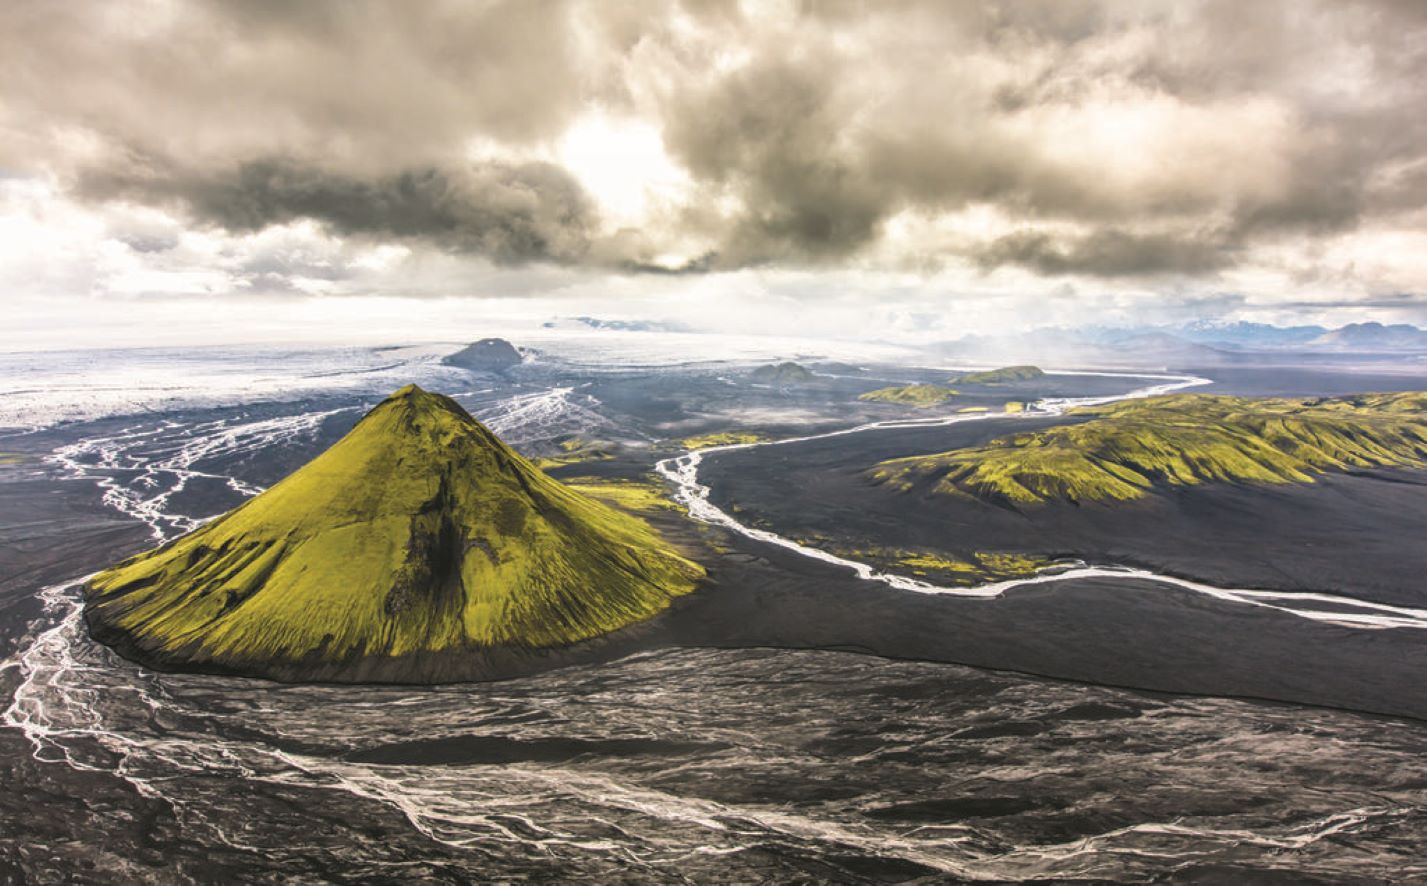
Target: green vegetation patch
[923,563]
[627,495]
[722,438]
[961,569]
[418,531]
[1131,447]
[576,450]
[978,567]
[921,396]
[999,376]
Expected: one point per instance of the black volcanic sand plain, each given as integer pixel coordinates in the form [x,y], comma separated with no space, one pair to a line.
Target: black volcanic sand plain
[723,764]
[710,399]
[1120,632]
[1354,534]
[1112,631]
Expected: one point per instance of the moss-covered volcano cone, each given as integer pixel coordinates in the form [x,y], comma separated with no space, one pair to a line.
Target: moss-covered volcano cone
[419,537]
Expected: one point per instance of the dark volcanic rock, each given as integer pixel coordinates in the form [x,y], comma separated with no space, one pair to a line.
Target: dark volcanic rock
[486,355]
[782,374]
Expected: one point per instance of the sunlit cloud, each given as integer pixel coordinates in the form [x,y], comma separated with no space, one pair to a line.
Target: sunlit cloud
[908,169]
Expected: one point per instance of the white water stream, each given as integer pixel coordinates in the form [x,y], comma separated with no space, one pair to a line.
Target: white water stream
[693,494]
[78,709]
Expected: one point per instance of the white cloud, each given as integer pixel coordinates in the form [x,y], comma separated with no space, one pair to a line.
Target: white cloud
[911,170]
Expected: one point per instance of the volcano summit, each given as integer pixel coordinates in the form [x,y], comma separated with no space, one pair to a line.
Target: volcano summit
[416,549]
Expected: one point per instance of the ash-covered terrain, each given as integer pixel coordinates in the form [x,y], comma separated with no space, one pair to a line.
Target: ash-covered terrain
[1217,685]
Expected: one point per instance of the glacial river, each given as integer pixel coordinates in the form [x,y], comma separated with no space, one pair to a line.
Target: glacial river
[681,765]
[683,472]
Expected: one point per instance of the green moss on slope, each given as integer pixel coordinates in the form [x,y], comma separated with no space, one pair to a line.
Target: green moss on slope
[1134,446]
[643,495]
[418,532]
[978,567]
[722,438]
[911,395]
[999,376]
[962,568]
[577,450]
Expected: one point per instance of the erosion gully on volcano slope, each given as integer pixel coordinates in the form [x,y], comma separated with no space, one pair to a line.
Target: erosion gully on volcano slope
[683,472]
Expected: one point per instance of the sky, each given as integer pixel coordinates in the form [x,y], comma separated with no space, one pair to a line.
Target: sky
[205,172]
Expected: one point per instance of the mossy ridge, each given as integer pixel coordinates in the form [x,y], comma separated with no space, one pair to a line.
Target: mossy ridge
[1131,447]
[998,376]
[977,567]
[722,438]
[919,395]
[577,450]
[417,532]
[962,569]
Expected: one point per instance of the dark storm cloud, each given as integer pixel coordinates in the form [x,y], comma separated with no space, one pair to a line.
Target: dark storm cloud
[825,144]
[693,267]
[140,242]
[356,115]
[767,131]
[1105,253]
[512,213]
[1113,138]
[1394,301]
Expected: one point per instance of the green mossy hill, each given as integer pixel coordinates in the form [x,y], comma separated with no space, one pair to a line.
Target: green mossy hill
[911,395]
[782,374]
[722,438]
[999,376]
[1130,448]
[418,533]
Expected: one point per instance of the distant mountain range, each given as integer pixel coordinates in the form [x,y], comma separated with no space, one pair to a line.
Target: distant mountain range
[1373,337]
[1203,342]
[1248,335]
[1192,344]
[1369,337]
[1241,336]
[616,325]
